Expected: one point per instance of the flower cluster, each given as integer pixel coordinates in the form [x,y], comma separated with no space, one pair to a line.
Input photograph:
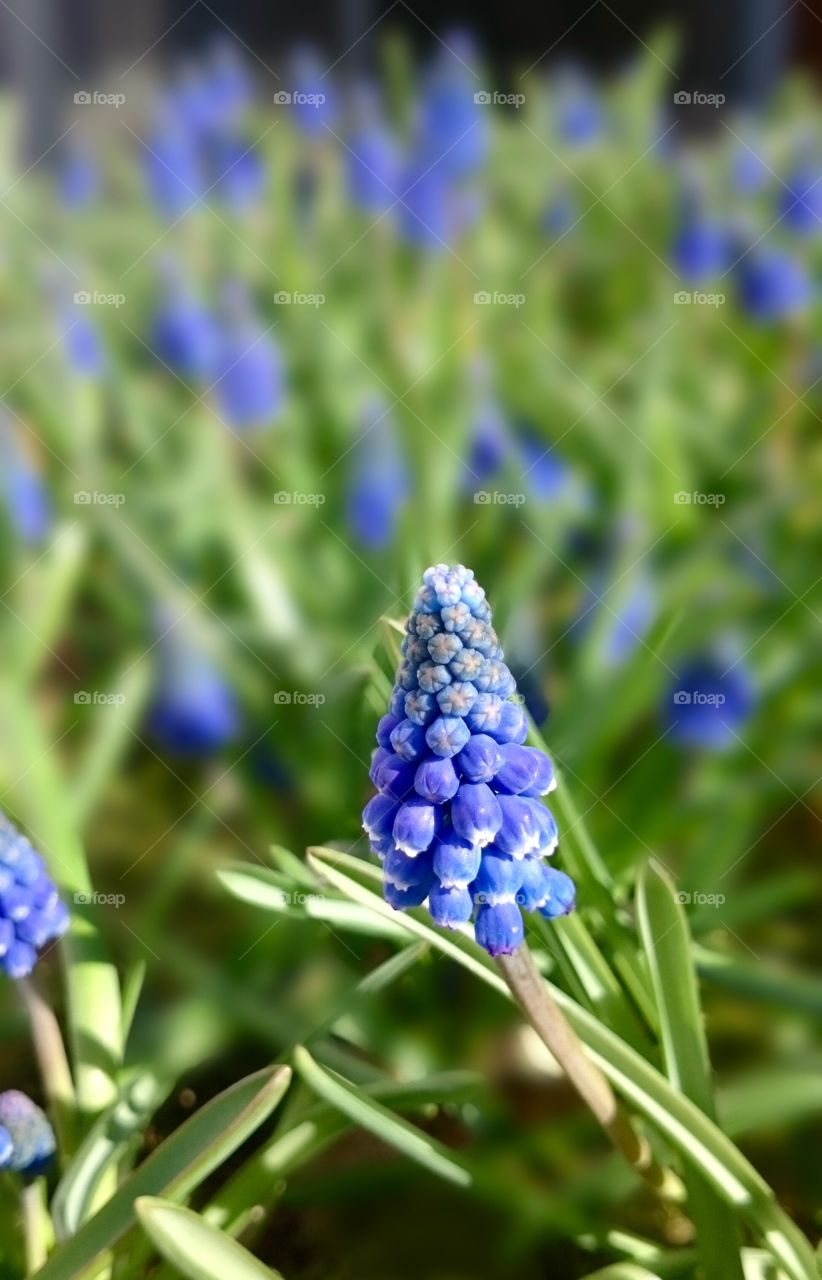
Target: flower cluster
[27,1143]
[31,913]
[457,817]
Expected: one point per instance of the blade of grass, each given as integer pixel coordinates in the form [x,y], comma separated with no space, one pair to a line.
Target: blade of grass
[194,1247]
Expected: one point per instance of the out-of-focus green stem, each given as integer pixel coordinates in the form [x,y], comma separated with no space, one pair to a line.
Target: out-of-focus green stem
[37,1232]
[53,1063]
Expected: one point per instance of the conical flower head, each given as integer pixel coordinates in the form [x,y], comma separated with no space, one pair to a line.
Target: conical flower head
[31,913]
[27,1142]
[457,818]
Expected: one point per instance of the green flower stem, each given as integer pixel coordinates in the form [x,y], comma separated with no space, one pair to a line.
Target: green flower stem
[536,1002]
[37,1232]
[54,1067]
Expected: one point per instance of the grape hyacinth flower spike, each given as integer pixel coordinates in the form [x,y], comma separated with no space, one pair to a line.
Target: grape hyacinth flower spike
[31,913]
[27,1142]
[459,823]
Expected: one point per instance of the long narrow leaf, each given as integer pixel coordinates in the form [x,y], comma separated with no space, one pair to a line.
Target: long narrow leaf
[196,1249]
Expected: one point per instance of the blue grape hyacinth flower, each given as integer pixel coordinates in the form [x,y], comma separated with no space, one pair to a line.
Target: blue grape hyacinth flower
[23,489]
[373,159]
[801,202]
[249,370]
[194,712]
[453,125]
[457,819]
[31,912]
[184,332]
[379,481]
[27,1142]
[710,701]
[773,284]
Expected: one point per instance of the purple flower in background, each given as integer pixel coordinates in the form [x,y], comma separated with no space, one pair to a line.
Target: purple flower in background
[240,174]
[749,171]
[702,245]
[78,177]
[580,118]
[82,345]
[426,209]
[184,333]
[373,161]
[249,383]
[801,204]
[631,619]
[24,491]
[173,164]
[27,1142]
[194,711]
[560,215]
[379,481]
[453,125]
[546,475]
[313,98]
[460,823]
[230,84]
[31,913]
[772,284]
[490,445]
[709,701]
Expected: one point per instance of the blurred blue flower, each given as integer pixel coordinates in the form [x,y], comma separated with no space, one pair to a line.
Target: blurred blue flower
[453,126]
[560,215]
[249,383]
[580,118]
[313,98]
[749,172]
[173,165]
[184,333]
[709,701]
[543,471]
[426,208]
[373,161]
[31,913]
[27,1142]
[490,445]
[82,345]
[702,246]
[379,482]
[457,818]
[632,617]
[773,283]
[240,173]
[194,711]
[230,84]
[801,204]
[24,490]
[78,176]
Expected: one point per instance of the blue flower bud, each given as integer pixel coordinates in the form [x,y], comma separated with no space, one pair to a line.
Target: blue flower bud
[447,735]
[32,1137]
[470,833]
[373,166]
[436,780]
[475,813]
[31,913]
[499,928]
[450,905]
[415,825]
[480,758]
[525,771]
[456,861]
[561,895]
[408,740]
[6,1148]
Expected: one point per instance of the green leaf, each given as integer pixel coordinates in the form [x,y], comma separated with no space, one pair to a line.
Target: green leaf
[196,1249]
[674,1116]
[623,1271]
[378,1120]
[667,944]
[175,1168]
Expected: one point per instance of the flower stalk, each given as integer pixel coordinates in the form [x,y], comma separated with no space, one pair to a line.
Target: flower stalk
[535,1000]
